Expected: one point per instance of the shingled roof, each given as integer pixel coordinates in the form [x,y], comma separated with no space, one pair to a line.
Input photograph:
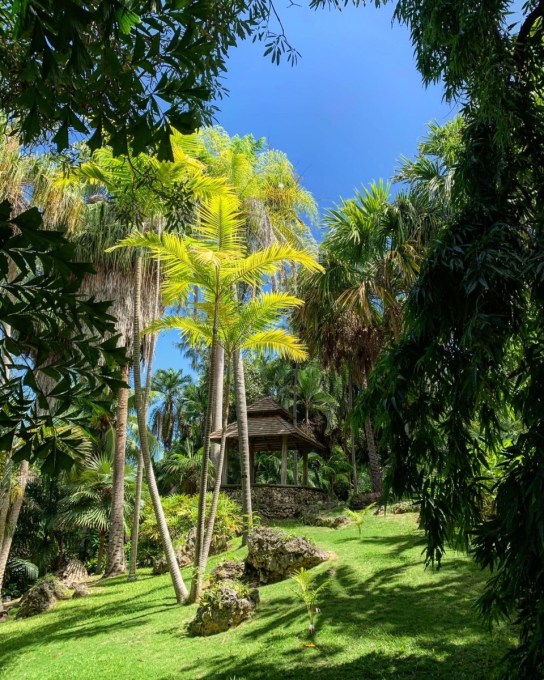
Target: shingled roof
[268,423]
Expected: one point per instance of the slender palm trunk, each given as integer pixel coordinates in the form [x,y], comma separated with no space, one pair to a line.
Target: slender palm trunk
[116,541]
[135,532]
[243,442]
[199,565]
[12,519]
[219,371]
[352,434]
[5,498]
[100,556]
[217,486]
[175,573]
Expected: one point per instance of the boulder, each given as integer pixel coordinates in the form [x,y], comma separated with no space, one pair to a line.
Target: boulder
[320,519]
[160,566]
[80,590]
[273,555]
[228,570]
[223,606]
[41,597]
[74,572]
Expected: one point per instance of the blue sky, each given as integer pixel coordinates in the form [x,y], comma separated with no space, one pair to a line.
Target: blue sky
[344,114]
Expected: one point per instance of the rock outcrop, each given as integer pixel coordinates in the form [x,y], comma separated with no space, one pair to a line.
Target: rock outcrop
[273,555]
[228,570]
[41,597]
[223,606]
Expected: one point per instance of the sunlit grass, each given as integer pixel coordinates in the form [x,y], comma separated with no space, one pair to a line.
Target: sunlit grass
[382,616]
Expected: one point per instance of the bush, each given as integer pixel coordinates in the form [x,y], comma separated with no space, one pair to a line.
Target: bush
[181,513]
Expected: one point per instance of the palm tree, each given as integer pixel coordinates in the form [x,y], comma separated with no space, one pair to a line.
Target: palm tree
[272,202]
[167,415]
[312,395]
[89,496]
[215,261]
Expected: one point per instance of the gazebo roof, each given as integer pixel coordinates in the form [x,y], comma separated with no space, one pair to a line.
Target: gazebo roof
[268,423]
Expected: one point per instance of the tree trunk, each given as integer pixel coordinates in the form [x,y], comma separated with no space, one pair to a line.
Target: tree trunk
[100,556]
[373,460]
[295,407]
[217,486]
[217,401]
[175,573]
[243,442]
[352,434]
[4,502]
[11,524]
[116,542]
[135,533]
[196,584]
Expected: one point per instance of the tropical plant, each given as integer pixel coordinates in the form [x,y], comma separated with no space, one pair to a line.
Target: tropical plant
[359,517]
[167,417]
[89,495]
[308,592]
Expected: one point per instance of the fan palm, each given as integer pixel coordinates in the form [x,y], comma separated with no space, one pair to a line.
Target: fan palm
[90,496]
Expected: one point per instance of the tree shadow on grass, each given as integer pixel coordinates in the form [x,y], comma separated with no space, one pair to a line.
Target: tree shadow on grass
[402,631]
[81,622]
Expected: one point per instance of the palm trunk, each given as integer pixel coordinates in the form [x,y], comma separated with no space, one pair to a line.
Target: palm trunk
[116,542]
[373,459]
[219,371]
[243,442]
[135,533]
[11,524]
[352,434]
[5,500]
[295,408]
[196,585]
[100,556]
[175,573]
[217,486]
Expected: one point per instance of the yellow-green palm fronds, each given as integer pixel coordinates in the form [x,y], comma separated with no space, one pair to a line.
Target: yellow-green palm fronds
[278,341]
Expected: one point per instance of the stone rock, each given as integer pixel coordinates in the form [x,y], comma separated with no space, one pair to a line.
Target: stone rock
[273,555]
[41,597]
[74,572]
[317,517]
[80,590]
[223,606]
[228,570]
[160,566]
[279,502]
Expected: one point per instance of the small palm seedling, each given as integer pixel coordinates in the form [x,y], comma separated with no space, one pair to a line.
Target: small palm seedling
[359,517]
[308,592]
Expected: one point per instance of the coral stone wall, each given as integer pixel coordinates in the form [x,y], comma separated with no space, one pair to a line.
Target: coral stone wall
[278,502]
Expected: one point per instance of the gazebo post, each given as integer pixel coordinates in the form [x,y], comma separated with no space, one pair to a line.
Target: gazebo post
[295,467]
[305,467]
[283,477]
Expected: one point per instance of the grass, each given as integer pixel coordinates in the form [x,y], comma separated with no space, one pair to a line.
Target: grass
[383,617]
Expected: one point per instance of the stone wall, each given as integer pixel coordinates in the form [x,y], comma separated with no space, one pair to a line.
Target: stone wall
[278,502]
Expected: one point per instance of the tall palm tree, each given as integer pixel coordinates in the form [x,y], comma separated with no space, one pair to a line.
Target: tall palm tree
[215,261]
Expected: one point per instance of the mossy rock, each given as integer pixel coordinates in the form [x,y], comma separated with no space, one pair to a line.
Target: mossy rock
[273,554]
[223,606]
[41,597]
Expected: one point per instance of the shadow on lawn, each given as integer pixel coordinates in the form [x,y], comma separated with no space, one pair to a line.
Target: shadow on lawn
[442,637]
[82,622]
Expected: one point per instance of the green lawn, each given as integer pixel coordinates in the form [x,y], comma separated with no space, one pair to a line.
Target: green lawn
[383,617]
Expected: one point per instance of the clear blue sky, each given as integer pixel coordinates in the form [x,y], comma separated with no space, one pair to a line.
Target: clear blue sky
[344,114]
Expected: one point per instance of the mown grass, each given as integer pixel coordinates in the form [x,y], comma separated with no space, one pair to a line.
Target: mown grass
[383,616]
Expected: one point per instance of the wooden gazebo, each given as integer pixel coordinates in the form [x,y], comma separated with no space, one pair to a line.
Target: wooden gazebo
[271,428]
